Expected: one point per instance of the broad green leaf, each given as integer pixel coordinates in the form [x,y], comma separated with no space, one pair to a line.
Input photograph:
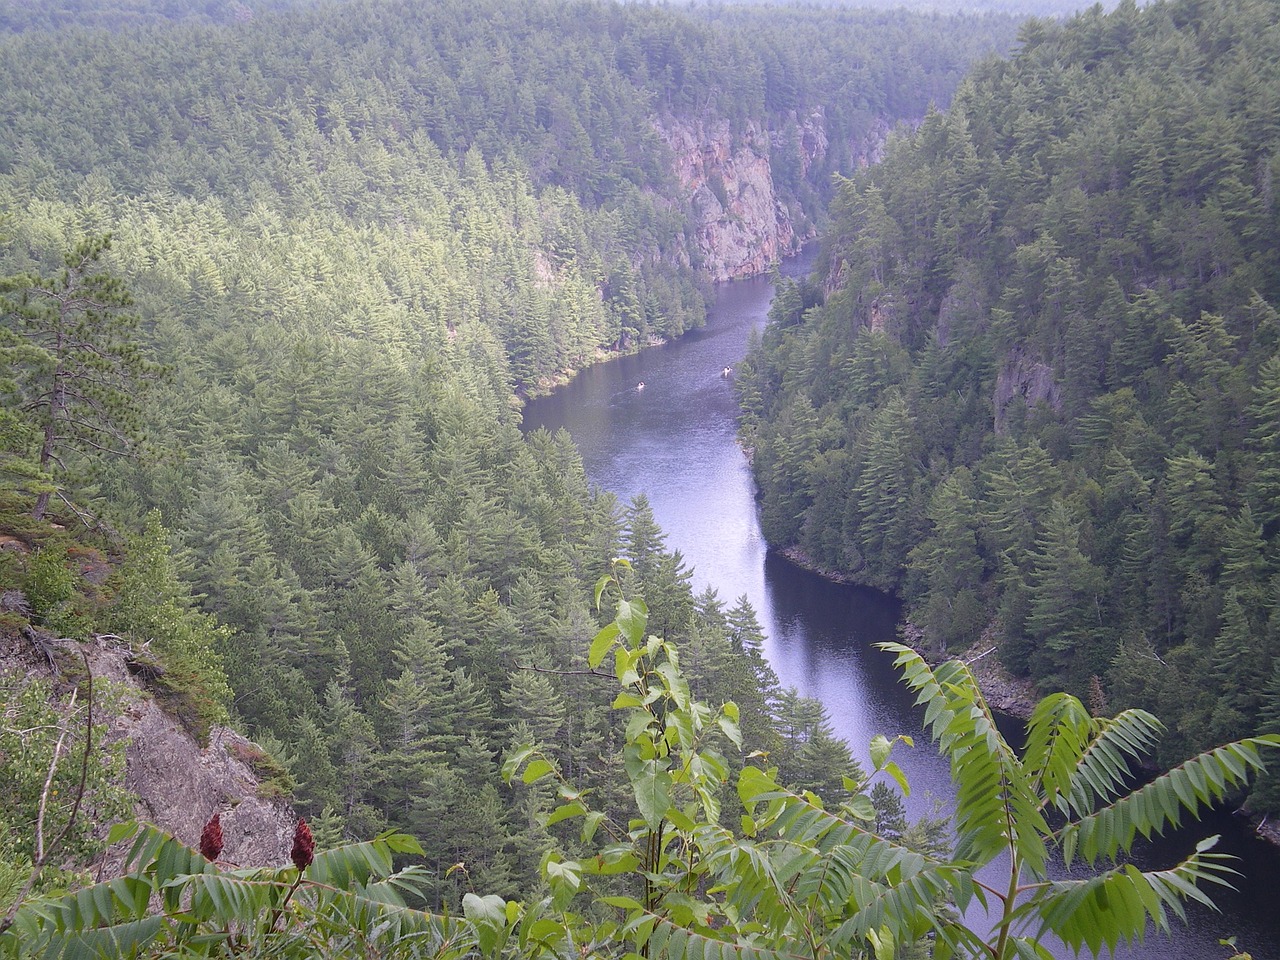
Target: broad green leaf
[880,748]
[488,915]
[900,778]
[566,810]
[536,770]
[860,806]
[601,584]
[514,759]
[401,843]
[730,729]
[625,903]
[631,619]
[601,644]
[490,909]
[122,831]
[653,793]
[590,824]
[882,942]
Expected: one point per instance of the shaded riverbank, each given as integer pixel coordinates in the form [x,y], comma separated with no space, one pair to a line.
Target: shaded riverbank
[675,441]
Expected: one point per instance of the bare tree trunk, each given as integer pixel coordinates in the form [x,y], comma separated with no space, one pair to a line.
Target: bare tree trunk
[57,406]
[46,456]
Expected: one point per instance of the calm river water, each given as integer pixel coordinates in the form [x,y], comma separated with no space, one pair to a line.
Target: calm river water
[674,441]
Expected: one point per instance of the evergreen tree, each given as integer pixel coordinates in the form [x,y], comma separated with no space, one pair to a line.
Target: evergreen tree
[1266,793]
[1245,566]
[74,363]
[644,541]
[1035,482]
[1264,420]
[1065,621]
[951,610]
[1197,515]
[533,701]
[883,521]
[416,708]
[757,690]
[1239,672]
[789,454]
[353,747]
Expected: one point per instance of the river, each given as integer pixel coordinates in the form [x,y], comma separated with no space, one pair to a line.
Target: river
[673,439]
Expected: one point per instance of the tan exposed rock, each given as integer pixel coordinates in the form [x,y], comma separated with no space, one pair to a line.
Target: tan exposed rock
[740,225]
[178,783]
[880,315]
[1024,376]
[806,136]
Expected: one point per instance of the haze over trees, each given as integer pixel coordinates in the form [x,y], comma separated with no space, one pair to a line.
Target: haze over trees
[354,234]
[1038,398]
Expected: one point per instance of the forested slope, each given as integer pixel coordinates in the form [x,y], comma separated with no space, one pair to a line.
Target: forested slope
[366,112]
[350,236]
[1039,394]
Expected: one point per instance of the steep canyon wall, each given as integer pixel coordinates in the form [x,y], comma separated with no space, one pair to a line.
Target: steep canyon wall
[744,219]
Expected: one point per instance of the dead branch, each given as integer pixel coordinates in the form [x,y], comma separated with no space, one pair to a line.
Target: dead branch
[43,854]
[84,517]
[567,673]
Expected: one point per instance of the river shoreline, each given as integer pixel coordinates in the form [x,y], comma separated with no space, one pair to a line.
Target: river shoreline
[546,386]
[1007,695]
[677,443]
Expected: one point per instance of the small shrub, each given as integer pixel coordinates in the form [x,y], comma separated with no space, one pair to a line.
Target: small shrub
[715,182]
[274,779]
[49,585]
[11,624]
[181,692]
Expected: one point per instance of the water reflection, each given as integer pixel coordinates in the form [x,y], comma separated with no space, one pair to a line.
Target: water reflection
[675,442]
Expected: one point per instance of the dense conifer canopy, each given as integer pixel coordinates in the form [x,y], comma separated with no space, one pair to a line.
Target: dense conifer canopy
[1041,387]
[355,233]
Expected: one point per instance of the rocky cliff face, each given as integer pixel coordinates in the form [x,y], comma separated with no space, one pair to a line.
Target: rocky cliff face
[177,783]
[741,220]
[742,224]
[180,784]
[1027,377]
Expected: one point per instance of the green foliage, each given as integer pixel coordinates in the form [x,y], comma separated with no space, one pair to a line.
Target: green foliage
[48,584]
[347,895]
[274,779]
[662,875]
[798,880]
[1069,792]
[152,610]
[76,367]
[1038,399]
[533,164]
[42,748]
[355,252]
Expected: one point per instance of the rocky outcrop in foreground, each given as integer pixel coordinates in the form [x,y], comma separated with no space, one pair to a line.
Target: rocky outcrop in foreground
[180,784]
[177,783]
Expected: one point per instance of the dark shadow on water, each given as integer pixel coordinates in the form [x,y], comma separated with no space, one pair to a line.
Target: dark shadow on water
[674,441]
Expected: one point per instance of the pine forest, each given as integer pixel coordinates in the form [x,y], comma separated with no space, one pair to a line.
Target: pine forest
[276,280]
